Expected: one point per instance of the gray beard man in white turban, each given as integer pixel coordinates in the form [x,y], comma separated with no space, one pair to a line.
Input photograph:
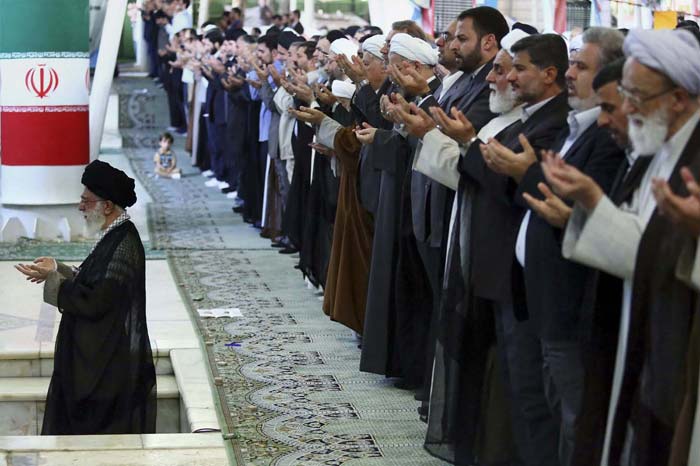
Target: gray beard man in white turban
[652,405]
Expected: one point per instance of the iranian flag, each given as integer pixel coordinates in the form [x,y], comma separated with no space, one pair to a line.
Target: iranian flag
[44,93]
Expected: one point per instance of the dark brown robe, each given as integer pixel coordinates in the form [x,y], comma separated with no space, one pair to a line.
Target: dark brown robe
[348,270]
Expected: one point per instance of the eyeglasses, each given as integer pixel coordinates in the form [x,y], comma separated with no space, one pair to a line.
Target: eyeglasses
[637,100]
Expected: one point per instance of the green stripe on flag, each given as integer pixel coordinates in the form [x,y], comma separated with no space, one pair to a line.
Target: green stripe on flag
[44,26]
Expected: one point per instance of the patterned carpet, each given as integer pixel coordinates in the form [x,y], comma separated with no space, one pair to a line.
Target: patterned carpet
[288,380]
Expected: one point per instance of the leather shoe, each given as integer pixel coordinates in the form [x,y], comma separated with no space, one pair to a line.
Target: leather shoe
[288,250]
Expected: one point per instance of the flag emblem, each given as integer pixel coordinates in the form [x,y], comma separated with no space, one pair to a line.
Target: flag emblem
[41,81]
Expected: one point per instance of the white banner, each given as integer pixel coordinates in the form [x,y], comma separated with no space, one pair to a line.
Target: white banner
[44,81]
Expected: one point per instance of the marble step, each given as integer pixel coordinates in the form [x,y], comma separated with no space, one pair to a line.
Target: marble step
[23,399]
[35,388]
[195,388]
[123,450]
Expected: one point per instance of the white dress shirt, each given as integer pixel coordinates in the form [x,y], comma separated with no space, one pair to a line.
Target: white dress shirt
[579,122]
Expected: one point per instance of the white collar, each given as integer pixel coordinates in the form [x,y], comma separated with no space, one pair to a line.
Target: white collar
[529,111]
[580,121]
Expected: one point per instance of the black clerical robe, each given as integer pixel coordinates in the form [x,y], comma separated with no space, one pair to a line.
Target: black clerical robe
[470,381]
[391,153]
[663,311]
[104,379]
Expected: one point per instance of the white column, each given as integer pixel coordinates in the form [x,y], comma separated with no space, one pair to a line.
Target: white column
[141,50]
[106,61]
[308,15]
[203,12]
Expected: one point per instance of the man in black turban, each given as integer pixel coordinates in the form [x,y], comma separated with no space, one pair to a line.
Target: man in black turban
[104,380]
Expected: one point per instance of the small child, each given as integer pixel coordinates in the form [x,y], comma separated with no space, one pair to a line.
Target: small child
[165,161]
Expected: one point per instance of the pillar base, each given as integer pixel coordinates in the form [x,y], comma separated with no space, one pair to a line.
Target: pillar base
[47,223]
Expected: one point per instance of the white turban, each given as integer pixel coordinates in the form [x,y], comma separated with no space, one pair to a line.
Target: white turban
[344,89]
[511,38]
[671,52]
[345,47]
[414,49]
[374,45]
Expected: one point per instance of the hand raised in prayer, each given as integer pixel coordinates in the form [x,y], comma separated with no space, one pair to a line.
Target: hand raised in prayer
[216,65]
[38,270]
[458,127]
[410,80]
[416,121]
[300,77]
[261,72]
[253,82]
[323,95]
[232,82]
[683,211]
[300,91]
[390,105]
[308,115]
[276,77]
[570,183]
[354,69]
[506,162]
[552,208]
[365,134]
[321,149]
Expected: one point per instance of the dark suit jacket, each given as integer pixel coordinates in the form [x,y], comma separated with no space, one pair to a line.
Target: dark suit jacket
[430,199]
[555,286]
[495,215]
[365,104]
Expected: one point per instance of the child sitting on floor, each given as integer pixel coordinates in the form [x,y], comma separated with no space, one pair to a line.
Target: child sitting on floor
[165,161]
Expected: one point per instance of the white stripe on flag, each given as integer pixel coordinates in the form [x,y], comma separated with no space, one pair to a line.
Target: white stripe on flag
[44,82]
[38,185]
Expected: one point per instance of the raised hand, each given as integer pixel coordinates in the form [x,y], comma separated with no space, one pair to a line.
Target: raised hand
[301,91]
[37,271]
[323,95]
[308,115]
[416,121]
[410,80]
[366,134]
[552,208]
[570,183]
[354,69]
[261,72]
[506,162]
[683,211]
[458,127]
[276,77]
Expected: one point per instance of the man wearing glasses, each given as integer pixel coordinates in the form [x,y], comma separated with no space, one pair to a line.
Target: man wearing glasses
[104,379]
[649,407]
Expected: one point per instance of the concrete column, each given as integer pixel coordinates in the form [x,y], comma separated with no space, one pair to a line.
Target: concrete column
[308,16]
[106,61]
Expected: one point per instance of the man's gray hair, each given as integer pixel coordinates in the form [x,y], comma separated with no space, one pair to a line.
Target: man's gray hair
[609,42]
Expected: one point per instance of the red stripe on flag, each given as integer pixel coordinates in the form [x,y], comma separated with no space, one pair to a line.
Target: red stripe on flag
[45,138]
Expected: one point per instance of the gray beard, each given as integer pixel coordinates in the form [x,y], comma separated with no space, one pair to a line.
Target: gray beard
[93,223]
[648,137]
[502,102]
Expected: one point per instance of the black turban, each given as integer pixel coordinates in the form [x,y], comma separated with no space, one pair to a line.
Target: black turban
[109,183]
[287,38]
[234,33]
